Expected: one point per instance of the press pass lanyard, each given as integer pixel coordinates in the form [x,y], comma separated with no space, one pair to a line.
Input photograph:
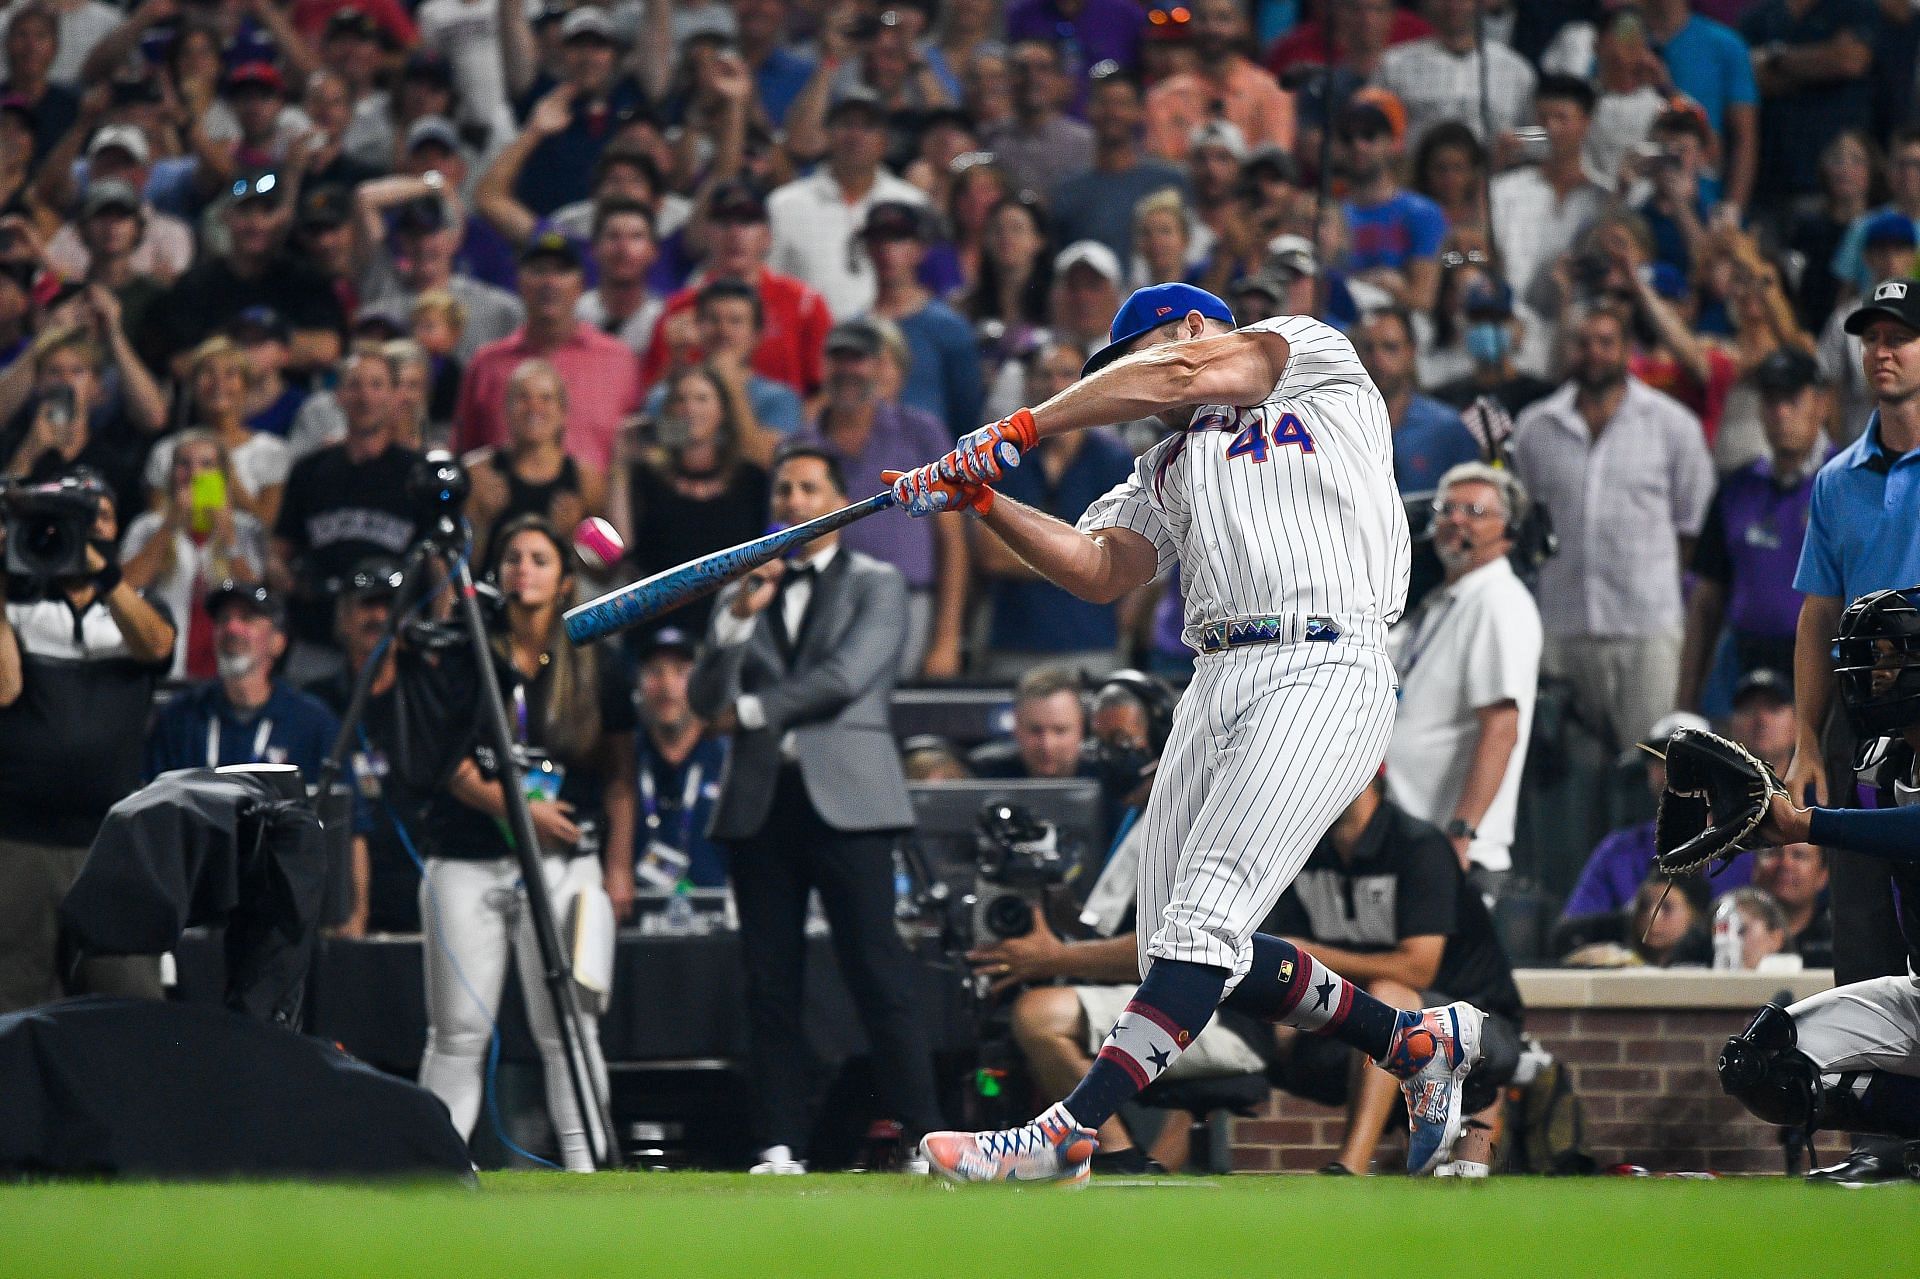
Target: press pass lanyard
[650,803]
[260,736]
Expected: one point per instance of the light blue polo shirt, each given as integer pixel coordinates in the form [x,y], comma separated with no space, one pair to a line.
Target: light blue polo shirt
[1863,532]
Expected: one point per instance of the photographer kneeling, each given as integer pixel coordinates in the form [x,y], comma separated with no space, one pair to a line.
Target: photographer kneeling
[1059,1028]
[80,656]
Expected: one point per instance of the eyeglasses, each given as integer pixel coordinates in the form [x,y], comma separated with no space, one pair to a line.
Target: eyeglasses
[1473,510]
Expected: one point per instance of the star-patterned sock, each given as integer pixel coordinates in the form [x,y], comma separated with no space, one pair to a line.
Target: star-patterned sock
[1171,1007]
[1287,985]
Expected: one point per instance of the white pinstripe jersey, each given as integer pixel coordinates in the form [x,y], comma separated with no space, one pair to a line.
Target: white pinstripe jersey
[1286,507]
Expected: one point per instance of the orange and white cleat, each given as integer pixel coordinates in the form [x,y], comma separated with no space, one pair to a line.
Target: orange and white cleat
[1432,1052]
[1050,1148]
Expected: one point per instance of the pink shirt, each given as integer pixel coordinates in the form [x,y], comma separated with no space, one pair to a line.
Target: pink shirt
[602,376]
[1249,98]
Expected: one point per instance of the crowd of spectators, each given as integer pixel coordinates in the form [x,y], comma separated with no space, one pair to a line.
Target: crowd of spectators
[256,257]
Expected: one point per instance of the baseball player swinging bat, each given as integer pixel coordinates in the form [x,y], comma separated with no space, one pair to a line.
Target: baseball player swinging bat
[634,604]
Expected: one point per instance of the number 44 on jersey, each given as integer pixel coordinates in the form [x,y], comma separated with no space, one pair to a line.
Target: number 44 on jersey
[1253,440]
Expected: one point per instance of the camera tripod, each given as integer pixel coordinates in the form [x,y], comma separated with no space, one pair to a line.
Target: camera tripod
[438,487]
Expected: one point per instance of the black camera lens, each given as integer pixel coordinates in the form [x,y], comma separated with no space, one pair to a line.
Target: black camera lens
[49,541]
[1008,916]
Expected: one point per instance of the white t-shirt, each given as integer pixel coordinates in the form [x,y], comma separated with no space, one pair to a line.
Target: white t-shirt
[260,463]
[815,236]
[185,586]
[467,34]
[637,332]
[1467,647]
[1285,508]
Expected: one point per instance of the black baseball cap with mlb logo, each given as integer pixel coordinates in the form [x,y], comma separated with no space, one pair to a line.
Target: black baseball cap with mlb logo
[1897,300]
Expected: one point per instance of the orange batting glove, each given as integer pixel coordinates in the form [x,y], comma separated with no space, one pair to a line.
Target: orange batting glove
[986,455]
[922,491]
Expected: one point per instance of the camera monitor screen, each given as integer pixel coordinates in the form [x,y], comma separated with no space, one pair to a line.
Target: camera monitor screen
[947,813]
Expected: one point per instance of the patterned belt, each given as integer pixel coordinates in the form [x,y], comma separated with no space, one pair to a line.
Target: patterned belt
[1290,629]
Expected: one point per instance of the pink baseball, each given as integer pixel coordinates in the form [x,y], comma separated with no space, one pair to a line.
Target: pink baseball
[598,543]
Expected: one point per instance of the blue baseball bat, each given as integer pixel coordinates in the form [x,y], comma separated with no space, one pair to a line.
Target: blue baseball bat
[632,605]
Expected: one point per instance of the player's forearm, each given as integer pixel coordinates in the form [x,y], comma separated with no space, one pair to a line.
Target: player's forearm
[1230,368]
[1077,563]
[1892,833]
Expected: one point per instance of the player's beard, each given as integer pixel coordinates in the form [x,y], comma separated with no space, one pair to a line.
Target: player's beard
[1178,419]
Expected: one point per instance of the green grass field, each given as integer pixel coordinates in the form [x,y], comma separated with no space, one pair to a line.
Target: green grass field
[534,1225]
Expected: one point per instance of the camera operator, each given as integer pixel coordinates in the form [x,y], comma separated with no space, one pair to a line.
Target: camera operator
[1058,1029]
[80,658]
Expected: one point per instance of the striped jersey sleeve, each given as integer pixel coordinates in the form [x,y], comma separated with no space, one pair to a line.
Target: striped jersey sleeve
[1320,357]
[1150,502]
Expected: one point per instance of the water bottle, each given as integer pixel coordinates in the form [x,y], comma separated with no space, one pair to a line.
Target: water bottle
[678,917]
[1729,926]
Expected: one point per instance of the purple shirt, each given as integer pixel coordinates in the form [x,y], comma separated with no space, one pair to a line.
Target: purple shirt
[1103,29]
[1621,863]
[902,438]
[1763,526]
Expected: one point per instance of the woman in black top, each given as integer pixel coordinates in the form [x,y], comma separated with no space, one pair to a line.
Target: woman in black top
[695,494]
[531,473]
[574,719]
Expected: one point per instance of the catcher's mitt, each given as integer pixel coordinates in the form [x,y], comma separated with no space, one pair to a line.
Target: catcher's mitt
[1717,795]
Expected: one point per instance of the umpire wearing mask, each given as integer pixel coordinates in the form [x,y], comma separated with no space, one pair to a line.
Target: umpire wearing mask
[800,668]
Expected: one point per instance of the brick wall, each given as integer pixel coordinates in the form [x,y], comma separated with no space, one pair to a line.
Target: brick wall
[1644,1073]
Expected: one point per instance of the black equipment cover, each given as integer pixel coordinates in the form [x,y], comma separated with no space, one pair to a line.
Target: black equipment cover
[135,1088]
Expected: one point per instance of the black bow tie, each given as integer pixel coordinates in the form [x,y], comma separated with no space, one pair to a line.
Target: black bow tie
[798,573]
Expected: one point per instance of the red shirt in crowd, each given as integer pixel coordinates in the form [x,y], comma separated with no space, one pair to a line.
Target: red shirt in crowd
[1661,371]
[793,337]
[603,387]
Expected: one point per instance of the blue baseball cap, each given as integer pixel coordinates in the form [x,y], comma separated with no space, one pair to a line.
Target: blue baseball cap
[1892,229]
[1148,309]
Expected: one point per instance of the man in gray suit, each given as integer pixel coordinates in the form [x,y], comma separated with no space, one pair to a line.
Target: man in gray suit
[799,668]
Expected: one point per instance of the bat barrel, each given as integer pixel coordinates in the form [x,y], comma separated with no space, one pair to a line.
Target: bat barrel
[630,606]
